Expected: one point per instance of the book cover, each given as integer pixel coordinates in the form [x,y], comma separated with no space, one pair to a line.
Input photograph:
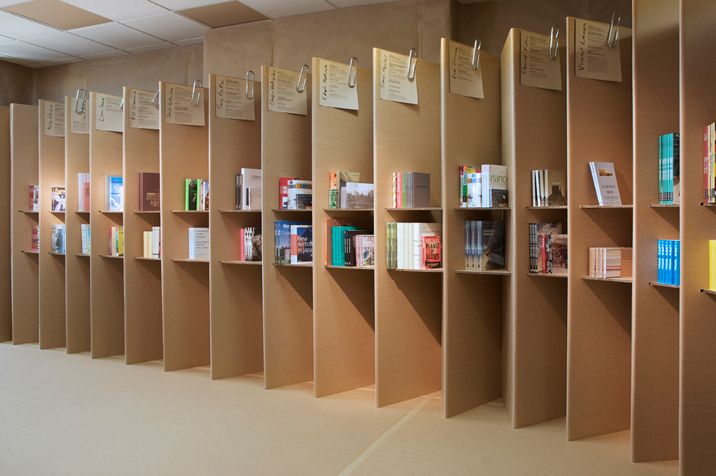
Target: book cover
[349,246]
[357,195]
[283,192]
[491,247]
[115,193]
[494,186]
[149,199]
[301,244]
[83,192]
[199,243]
[250,189]
[431,252]
[605,183]
[58,199]
[559,253]
[33,203]
[556,187]
[35,238]
[419,190]
[191,194]
[300,194]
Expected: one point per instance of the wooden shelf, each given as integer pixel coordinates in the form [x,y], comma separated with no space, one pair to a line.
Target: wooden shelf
[608,280]
[402,270]
[495,272]
[487,209]
[416,209]
[111,212]
[548,275]
[710,292]
[349,210]
[147,212]
[550,207]
[82,212]
[242,263]
[708,205]
[187,260]
[56,254]
[294,265]
[82,255]
[111,257]
[291,210]
[28,212]
[144,258]
[190,212]
[57,212]
[606,207]
[240,211]
[663,285]
[30,252]
[352,268]
[664,205]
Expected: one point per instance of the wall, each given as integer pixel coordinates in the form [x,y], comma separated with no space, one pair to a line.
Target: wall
[15,83]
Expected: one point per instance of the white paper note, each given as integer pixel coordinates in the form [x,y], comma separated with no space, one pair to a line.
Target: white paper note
[231,100]
[54,123]
[333,85]
[537,69]
[108,113]
[80,123]
[464,80]
[282,93]
[143,114]
[594,59]
[393,80]
[180,109]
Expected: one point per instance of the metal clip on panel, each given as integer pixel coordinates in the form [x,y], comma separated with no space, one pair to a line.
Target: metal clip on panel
[80,101]
[352,72]
[553,42]
[475,63]
[121,105]
[412,63]
[613,33]
[195,94]
[302,78]
[249,77]
[155,99]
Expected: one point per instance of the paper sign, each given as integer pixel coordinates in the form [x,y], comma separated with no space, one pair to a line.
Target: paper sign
[79,123]
[108,113]
[594,59]
[464,80]
[537,69]
[54,114]
[231,100]
[180,109]
[143,114]
[393,80]
[282,93]
[333,85]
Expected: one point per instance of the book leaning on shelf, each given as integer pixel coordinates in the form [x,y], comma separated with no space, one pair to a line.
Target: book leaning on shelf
[196,195]
[337,180]
[548,249]
[83,192]
[710,164]
[58,239]
[116,241]
[293,242]
[250,243]
[610,262]
[483,187]
[149,197]
[410,190]
[33,197]
[152,243]
[295,194]
[484,245]
[35,238]
[86,238]
[605,183]
[248,189]
[199,243]
[669,169]
[414,246]
[114,193]
[549,188]
[58,199]
[668,262]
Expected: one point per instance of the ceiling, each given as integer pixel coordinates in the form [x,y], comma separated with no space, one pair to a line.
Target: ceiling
[39,33]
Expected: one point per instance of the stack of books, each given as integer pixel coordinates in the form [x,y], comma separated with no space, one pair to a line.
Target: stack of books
[196,195]
[248,189]
[613,262]
[605,183]
[669,174]
[484,245]
[414,245]
[549,188]
[149,198]
[35,238]
[410,190]
[293,242]
[668,262]
[83,192]
[548,249]
[58,241]
[114,193]
[152,243]
[295,194]
[116,241]
[250,243]
[199,244]
[483,187]
[33,192]
[710,164]
[58,199]
[350,247]
[86,237]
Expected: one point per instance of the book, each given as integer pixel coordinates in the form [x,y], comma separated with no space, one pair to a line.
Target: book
[58,239]
[156,242]
[494,186]
[191,194]
[283,241]
[151,243]
[116,241]
[484,245]
[283,192]
[712,265]
[35,238]
[357,195]
[431,252]
[203,199]
[300,195]
[33,192]
[149,189]
[114,193]
[58,199]
[83,192]
[710,164]
[549,188]
[559,248]
[470,182]
[406,245]
[669,169]
[605,183]
[250,244]
[542,247]
[365,251]
[411,190]
[248,191]
[301,244]
[337,180]
[610,262]
[199,244]
[86,238]
[349,248]
[668,261]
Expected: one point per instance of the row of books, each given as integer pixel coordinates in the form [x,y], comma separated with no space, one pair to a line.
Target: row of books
[196,194]
[199,243]
[414,245]
[248,189]
[410,190]
[484,186]
[116,241]
[484,245]
[293,242]
[668,261]
[250,243]
[351,247]
[549,188]
[669,169]
[610,262]
[295,194]
[59,239]
[152,243]
[548,248]
[710,164]
[604,177]
[86,237]
[345,190]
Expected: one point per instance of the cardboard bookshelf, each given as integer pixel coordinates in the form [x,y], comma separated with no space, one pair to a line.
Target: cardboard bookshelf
[408,305]
[343,300]
[183,152]
[77,267]
[288,295]
[698,225]
[599,128]
[236,337]
[536,327]
[473,309]
[106,275]
[655,332]
[51,159]
[5,221]
[25,274]
[142,278]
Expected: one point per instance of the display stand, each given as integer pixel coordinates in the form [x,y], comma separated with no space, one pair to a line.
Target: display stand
[697,433]
[655,332]
[5,223]
[599,128]
[183,153]
[236,337]
[343,298]
[142,277]
[106,272]
[287,296]
[408,304]
[25,270]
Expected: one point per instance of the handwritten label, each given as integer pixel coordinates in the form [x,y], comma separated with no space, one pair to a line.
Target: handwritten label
[282,93]
[143,114]
[537,69]
[231,100]
[180,109]
[334,87]
[464,80]
[108,113]
[54,123]
[593,57]
[80,122]
[393,79]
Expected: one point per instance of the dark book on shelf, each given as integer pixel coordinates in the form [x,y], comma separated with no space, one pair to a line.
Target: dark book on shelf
[349,249]
[420,190]
[191,194]
[148,191]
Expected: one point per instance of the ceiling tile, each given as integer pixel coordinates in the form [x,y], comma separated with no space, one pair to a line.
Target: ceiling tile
[28,52]
[119,10]
[190,41]
[69,43]
[170,26]
[109,54]
[21,28]
[5,39]
[184,4]
[223,14]
[7,3]
[57,13]
[285,8]
[116,35]
[158,46]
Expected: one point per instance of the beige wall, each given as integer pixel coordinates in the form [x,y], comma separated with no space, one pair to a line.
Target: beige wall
[15,84]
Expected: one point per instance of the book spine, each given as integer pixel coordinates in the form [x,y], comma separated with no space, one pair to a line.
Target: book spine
[712,265]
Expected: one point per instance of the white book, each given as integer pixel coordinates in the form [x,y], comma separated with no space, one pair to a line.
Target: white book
[199,243]
[250,189]
[605,183]
[156,234]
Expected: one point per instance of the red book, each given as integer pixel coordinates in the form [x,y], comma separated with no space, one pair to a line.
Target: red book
[148,191]
[431,252]
[283,192]
[242,249]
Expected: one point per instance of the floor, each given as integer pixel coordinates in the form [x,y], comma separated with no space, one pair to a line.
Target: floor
[68,414]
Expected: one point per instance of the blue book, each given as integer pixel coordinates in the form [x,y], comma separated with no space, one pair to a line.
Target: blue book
[282,241]
[677,278]
[114,193]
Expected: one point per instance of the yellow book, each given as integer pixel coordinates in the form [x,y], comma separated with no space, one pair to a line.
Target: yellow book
[712,265]
[120,241]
